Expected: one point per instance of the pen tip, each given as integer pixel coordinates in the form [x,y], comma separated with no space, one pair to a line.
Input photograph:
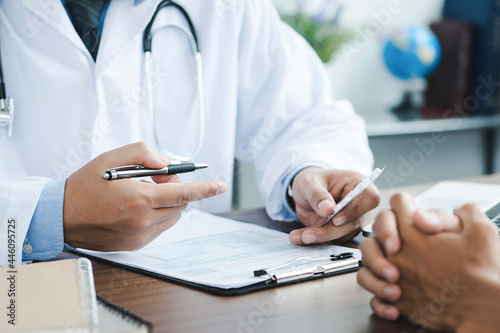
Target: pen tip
[105,176]
[201,166]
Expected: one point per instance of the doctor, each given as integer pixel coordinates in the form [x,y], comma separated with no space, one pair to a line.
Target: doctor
[81,93]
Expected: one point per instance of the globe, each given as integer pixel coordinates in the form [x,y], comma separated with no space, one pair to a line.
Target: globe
[412,51]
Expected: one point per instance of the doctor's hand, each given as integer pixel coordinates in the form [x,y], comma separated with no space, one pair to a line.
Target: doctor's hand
[316,192]
[126,214]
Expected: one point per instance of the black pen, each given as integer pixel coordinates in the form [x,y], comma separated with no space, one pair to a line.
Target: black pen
[133,171]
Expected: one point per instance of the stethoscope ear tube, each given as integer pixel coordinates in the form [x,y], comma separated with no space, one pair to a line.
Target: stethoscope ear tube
[148,37]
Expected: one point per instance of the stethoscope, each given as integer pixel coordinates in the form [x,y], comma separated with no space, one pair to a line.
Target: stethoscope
[7,104]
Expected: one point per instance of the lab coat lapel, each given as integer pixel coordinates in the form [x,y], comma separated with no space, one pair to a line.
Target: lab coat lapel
[125,20]
[53,13]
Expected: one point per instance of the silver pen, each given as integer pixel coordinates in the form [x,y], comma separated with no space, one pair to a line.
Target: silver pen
[360,188]
[133,171]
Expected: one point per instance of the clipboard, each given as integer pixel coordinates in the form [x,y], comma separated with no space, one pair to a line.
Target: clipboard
[342,266]
[219,256]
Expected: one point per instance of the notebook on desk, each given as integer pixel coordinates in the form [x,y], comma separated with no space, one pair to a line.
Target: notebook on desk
[450,194]
[59,296]
[222,256]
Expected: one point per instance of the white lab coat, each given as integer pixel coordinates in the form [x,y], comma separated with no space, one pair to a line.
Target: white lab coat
[267,97]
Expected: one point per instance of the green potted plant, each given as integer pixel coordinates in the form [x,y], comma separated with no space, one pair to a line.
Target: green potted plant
[318,26]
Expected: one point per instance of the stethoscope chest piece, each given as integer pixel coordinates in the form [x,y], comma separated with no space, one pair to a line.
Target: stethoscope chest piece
[7,114]
[6,105]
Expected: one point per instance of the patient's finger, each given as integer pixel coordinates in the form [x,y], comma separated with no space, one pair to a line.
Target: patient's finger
[383,309]
[473,218]
[386,291]
[385,230]
[435,221]
[376,261]
[404,207]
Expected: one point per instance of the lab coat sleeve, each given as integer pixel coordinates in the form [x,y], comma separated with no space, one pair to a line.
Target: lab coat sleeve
[46,234]
[287,119]
[18,201]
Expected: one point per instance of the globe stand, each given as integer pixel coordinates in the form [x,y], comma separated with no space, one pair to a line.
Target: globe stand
[411,54]
[413,99]
[408,109]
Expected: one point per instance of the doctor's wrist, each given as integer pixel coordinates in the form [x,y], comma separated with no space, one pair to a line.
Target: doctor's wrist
[289,198]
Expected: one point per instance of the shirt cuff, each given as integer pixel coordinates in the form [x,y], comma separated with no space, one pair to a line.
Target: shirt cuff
[45,237]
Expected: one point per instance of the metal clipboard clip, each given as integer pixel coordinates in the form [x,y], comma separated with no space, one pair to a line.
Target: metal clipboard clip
[339,262]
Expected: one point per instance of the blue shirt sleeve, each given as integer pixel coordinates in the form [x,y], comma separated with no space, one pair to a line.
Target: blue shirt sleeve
[45,237]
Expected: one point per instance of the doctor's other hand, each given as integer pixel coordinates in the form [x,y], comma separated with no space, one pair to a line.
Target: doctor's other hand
[316,191]
[126,214]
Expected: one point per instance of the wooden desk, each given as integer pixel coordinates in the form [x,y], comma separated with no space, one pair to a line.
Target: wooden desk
[335,304]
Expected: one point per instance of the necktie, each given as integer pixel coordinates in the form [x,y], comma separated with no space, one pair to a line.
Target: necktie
[86,16]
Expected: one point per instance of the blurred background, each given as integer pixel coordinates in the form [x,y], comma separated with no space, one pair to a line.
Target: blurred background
[425,76]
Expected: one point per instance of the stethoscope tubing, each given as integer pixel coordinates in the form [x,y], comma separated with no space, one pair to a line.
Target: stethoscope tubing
[148,68]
